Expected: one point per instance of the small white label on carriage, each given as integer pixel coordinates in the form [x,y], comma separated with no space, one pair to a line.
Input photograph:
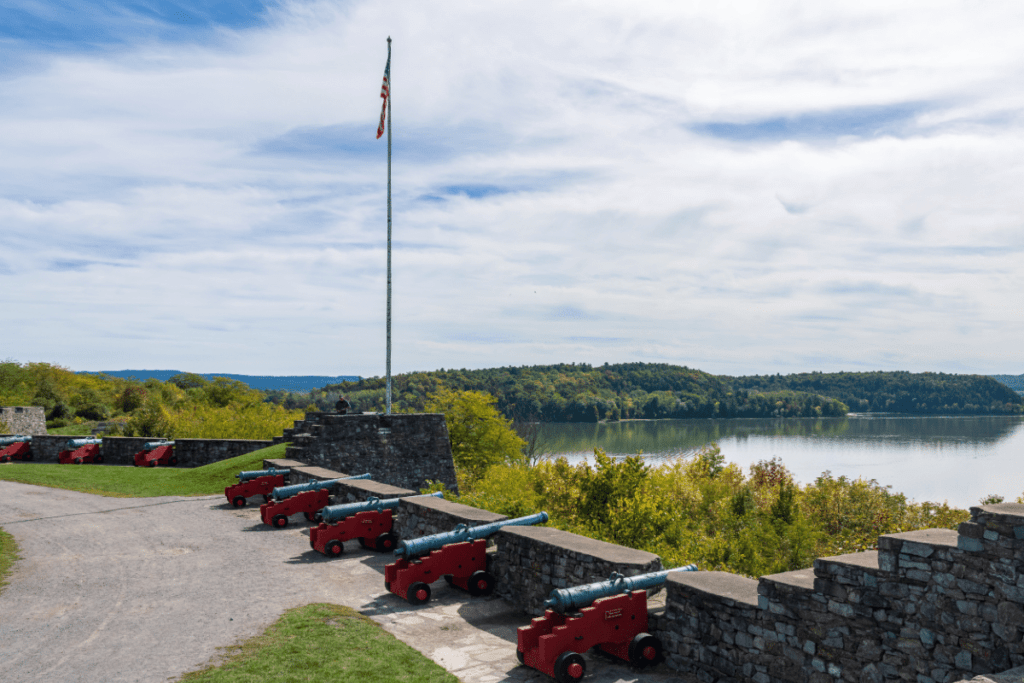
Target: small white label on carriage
[384,430]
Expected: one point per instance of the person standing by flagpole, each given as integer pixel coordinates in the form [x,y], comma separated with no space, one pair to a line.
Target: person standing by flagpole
[385,112]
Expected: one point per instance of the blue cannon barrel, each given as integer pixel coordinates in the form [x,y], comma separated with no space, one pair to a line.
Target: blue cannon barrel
[336,513]
[256,474]
[418,547]
[150,445]
[566,599]
[78,443]
[17,438]
[282,492]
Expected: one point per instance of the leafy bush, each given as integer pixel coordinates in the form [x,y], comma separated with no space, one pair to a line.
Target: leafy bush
[705,510]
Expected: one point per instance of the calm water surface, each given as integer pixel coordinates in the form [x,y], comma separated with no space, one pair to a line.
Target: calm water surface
[957,459]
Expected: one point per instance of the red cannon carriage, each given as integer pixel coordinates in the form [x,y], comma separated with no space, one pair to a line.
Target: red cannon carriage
[15,448]
[81,451]
[613,618]
[369,522]
[459,555]
[308,498]
[255,483]
[155,453]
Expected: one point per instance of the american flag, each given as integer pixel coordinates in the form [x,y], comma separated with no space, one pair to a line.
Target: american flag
[385,92]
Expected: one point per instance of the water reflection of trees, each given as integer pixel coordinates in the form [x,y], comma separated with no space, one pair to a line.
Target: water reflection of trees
[681,437]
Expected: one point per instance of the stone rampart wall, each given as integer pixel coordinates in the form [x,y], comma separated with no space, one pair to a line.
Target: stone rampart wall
[121,450]
[199,452]
[532,561]
[406,450]
[930,606]
[429,516]
[24,420]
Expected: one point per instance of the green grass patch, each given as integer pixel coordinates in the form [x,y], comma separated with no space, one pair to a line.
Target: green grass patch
[140,482]
[84,429]
[8,554]
[322,643]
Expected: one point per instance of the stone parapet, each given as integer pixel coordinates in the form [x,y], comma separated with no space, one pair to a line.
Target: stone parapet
[24,420]
[47,448]
[405,450]
[199,452]
[121,450]
[532,561]
[428,516]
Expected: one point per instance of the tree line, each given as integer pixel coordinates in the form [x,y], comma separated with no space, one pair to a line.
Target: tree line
[580,392]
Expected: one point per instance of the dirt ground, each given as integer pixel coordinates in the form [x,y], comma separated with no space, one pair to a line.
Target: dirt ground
[146,589]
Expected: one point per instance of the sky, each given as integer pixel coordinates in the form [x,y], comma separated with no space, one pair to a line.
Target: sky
[741,188]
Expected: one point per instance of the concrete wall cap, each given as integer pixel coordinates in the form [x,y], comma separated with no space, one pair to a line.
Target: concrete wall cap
[798,578]
[867,559]
[939,537]
[717,584]
[282,463]
[378,489]
[318,472]
[601,550]
[456,509]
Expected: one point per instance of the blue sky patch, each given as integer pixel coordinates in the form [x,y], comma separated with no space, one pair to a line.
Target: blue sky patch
[867,122]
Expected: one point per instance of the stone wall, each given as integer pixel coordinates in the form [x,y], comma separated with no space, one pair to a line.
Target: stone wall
[47,448]
[429,516]
[532,561]
[24,420]
[930,606]
[403,450]
[199,452]
[121,450]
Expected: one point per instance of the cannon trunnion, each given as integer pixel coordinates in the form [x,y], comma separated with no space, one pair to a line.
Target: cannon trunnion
[460,556]
[613,617]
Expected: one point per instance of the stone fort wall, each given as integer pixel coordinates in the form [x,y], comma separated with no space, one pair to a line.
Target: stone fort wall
[24,420]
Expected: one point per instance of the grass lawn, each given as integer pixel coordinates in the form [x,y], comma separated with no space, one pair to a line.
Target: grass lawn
[8,554]
[323,643]
[84,429]
[140,482]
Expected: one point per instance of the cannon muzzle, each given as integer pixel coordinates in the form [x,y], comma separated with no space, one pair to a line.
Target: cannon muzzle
[151,445]
[78,443]
[336,513]
[17,438]
[568,599]
[282,492]
[418,547]
[256,474]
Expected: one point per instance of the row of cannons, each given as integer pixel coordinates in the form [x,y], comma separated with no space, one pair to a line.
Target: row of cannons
[610,615]
[87,451]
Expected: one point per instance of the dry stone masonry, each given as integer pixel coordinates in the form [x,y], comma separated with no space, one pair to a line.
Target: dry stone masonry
[24,420]
[406,450]
[929,606]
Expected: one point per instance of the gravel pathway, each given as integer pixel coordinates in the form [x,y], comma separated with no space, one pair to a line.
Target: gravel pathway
[146,589]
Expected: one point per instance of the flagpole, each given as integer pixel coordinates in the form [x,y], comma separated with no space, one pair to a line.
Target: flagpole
[388,362]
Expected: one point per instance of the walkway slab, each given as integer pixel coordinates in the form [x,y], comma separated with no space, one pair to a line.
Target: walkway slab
[142,590]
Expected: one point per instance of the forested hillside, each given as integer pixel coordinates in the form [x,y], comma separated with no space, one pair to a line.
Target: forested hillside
[185,406]
[1015,382]
[583,393]
[927,393]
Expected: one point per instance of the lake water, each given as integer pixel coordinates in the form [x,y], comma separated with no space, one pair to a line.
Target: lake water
[956,459]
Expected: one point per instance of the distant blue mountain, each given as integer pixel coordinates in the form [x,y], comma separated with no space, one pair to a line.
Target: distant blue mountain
[265,382]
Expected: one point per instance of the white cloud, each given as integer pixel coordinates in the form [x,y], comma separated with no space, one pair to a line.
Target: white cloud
[740,188]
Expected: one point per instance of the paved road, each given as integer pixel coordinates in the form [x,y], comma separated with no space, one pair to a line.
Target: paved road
[145,589]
